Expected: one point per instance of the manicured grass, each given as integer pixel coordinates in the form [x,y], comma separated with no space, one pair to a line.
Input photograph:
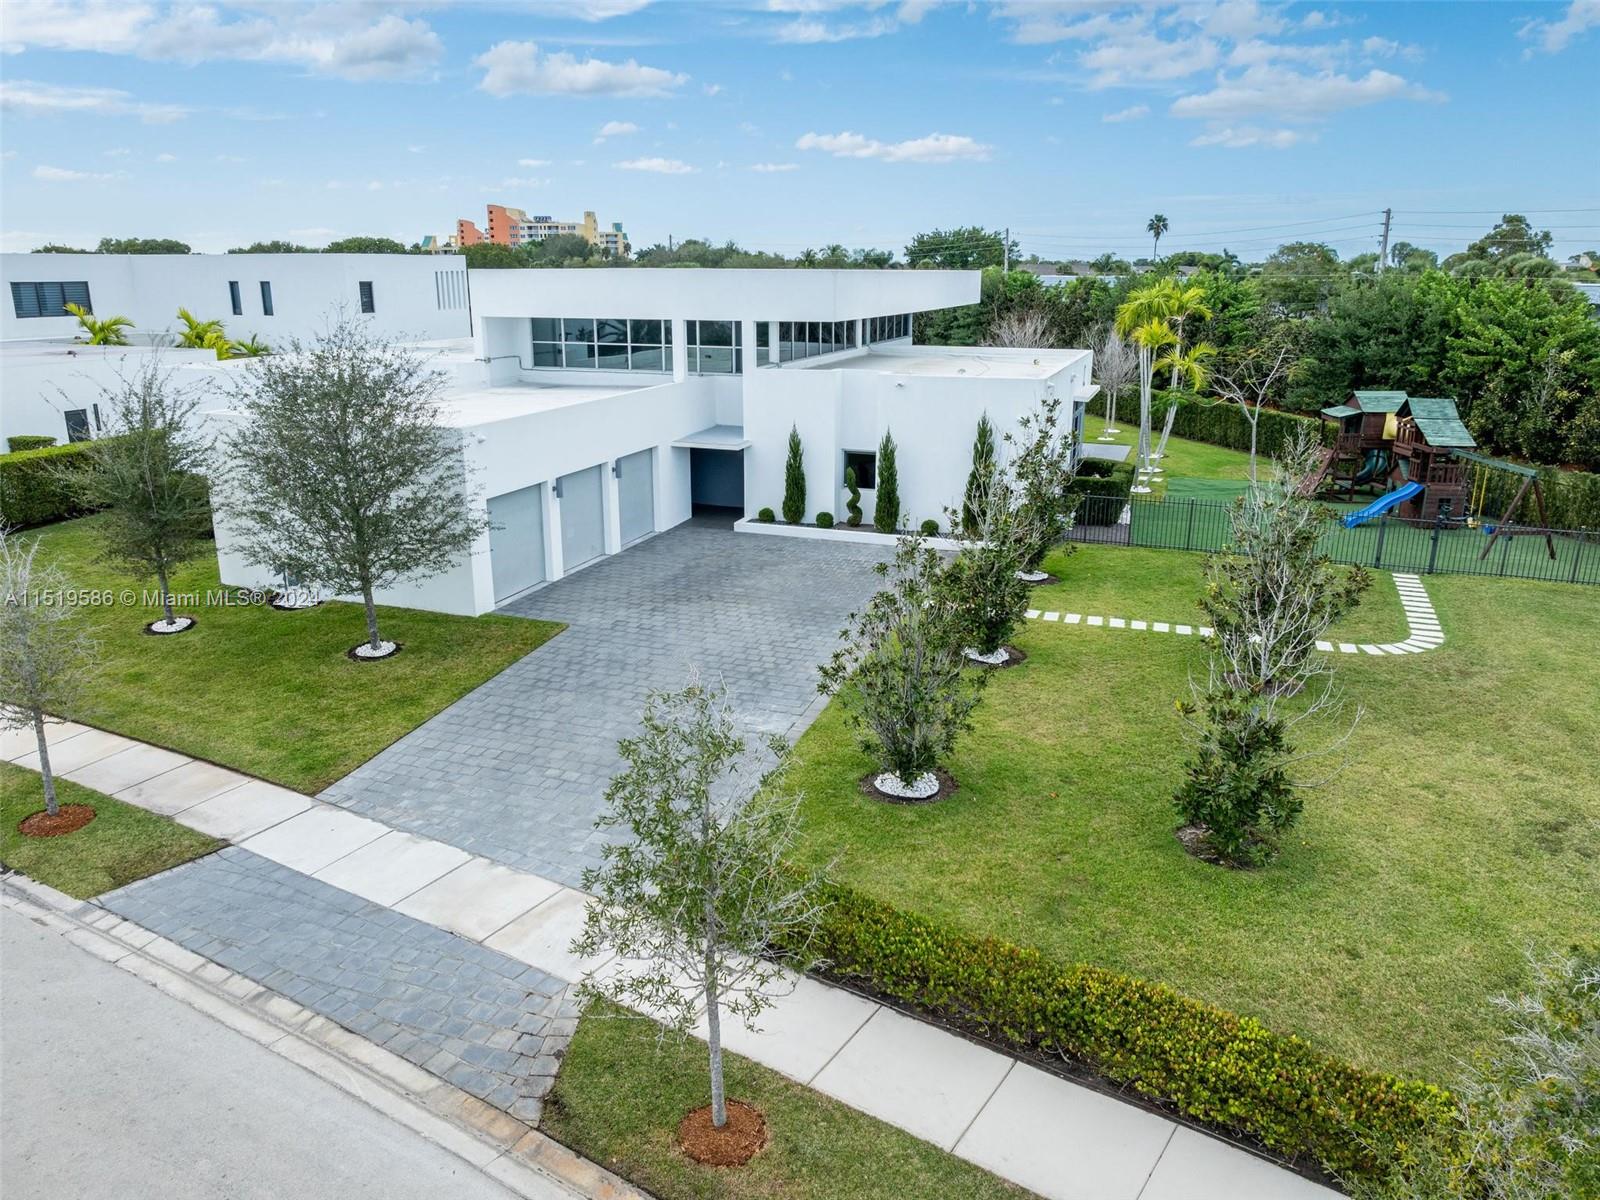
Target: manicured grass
[620,1096]
[121,844]
[270,692]
[1184,461]
[1464,826]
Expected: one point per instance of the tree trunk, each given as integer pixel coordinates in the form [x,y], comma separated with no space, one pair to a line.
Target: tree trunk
[372,618]
[166,596]
[45,773]
[719,1099]
[1253,421]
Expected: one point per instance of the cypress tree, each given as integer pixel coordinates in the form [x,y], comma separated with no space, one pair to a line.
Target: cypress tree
[982,468]
[794,481]
[886,511]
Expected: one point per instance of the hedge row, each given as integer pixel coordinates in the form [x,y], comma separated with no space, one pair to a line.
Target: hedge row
[1222,424]
[1096,477]
[35,485]
[1571,499]
[29,441]
[1209,1064]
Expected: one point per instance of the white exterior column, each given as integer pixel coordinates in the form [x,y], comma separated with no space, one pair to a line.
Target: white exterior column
[747,344]
[680,349]
[611,507]
[772,341]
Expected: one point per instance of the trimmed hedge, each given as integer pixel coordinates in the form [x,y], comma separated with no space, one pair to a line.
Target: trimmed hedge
[35,487]
[29,441]
[1209,1064]
[1571,499]
[1096,477]
[1222,424]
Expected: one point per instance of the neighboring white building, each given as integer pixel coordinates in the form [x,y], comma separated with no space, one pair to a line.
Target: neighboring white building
[597,407]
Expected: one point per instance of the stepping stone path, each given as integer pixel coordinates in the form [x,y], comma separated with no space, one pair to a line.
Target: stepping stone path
[1425,632]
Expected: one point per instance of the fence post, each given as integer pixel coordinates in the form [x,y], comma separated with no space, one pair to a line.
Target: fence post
[1505,554]
[1433,549]
[1583,536]
[1377,556]
[1188,536]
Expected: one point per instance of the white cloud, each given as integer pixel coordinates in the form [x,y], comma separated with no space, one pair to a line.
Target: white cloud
[615,129]
[100,25]
[522,182]
[533,162]
[315,233]
[28,98]
[1147,58]
[1127,114]
[1244,136]
[711,89]
[1233,19]
[582,10]
[1287,95]
[774,168]
[67,175]
[1036,24]
[416,149]
[375,185]
[166,158]
[230,158]
[118,152]
[518,68]
[809,32]
[1381,47]
[935,148]
[1555,36]
[657,166]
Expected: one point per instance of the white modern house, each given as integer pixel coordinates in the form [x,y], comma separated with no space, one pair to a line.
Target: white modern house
[596,407]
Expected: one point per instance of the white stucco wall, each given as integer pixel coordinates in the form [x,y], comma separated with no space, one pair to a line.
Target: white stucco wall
[40,382]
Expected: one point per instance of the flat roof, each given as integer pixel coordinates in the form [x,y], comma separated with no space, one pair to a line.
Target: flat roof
[937,361]
[465,407]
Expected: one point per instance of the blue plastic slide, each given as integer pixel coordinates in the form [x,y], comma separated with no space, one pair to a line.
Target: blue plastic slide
[1382,504]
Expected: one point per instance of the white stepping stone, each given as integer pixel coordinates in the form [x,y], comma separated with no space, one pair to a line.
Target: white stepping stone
[1074,618]
[126,768]
[393,866]
[1137,625]
[1206,631]
[1197,1167]
[1161,627]
[477,898]
[1367,649]
[1185,630]
[1052,616]
[542,937]
[245,810]
[1118,623]
[1032,614]
[1325,647]
[1096,620]
[1347,648]
[914,1075]
[1061,1139]
[181,789]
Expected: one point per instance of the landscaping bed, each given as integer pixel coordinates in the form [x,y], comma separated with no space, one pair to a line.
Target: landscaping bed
[270,692]
[621,1095]
[120,844]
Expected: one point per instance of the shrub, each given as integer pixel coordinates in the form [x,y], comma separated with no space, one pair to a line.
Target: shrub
[1207,1063]
[930,528]
[824,520]
[886,507]
[29,441]
[1101,496]
[794,481]
[852,506]
[36,486]
[766,517]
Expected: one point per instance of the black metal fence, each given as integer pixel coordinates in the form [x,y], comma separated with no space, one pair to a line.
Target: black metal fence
[1387,543]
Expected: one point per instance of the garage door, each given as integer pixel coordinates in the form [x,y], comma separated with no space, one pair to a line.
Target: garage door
[636,495]
[516,541]
[583,523]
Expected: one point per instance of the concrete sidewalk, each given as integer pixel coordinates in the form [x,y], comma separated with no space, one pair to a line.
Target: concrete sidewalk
[1059,1139]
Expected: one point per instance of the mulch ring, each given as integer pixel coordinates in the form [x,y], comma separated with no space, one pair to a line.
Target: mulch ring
[735,1144]
[152,631]
[354,657]
[1196,839]
[69,819]
[947,787]
[1014,658]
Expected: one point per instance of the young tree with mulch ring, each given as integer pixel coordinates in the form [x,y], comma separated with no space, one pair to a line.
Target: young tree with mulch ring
[983,466]
[340,472]
[986,582]
[794,480]
[886,506]
[148,475]
[1043,469]
[699,894]
[45,660]
[899,675]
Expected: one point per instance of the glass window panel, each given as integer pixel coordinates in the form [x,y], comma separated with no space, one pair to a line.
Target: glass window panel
[612,332]
[716,333]
[649,358]
[785,350]
[646,333]
[850,333]
[580,354]
[716,360]
[547,354]
[763,328]
[547,329]
[865,465]
[738,361]
[738,333]
[763,356]
[827,337]
[577,329]
[813,338]
[613,358]
[666,358]
[692,332]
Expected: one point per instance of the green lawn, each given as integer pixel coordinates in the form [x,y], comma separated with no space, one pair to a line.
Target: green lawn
[621,1094]
[1465,826]
[121,844]
[271,692]
[1191,468]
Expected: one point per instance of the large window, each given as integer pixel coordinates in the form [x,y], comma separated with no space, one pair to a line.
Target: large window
[887,329]
[606,343]
[48,299]
[714,348]
[865,464]
[807,339]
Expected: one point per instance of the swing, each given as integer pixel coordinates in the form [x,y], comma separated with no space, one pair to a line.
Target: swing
[1480,495]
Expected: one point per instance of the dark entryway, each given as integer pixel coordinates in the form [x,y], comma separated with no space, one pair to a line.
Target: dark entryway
[716,479]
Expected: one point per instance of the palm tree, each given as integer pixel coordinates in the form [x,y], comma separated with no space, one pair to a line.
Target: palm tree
[808,258]
[1182,301]
[1152,336]
[202,335]
[110,332]
[1156,226]
[251,347]
[1190,363]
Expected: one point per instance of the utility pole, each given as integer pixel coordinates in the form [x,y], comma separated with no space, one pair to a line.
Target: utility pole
[1383,252]
[1005,253]
[669,242]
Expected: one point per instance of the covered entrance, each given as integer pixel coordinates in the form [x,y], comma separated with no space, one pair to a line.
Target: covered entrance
[716,468]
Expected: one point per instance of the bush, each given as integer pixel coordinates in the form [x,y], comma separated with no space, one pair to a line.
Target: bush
[794,481]
[1110,491]
[852,505]
[766,516]
[36,486]
[930,528]
[1209,1064]
[824,520]
[29,441]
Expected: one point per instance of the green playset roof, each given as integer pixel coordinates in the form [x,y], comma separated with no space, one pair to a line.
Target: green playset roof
[1380,402]
[1438,421]
[1340,411]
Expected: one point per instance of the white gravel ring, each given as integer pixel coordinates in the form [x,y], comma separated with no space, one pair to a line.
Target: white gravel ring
[1032,576]
[993,660]
[176,625]
[923,786]
[384,649]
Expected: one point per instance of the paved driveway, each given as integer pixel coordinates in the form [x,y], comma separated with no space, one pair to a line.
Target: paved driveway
[515,771]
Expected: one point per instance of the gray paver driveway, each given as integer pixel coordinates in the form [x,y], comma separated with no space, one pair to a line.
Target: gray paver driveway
[515,771]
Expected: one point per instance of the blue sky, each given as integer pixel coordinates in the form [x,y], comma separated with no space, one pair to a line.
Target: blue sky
[790,123]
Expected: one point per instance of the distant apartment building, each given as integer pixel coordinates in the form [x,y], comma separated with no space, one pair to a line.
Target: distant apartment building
[506,226]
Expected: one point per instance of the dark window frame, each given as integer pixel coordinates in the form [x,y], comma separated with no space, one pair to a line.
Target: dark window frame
[857,458]
[266,298]
[364,292]
[30,298]
[235,298]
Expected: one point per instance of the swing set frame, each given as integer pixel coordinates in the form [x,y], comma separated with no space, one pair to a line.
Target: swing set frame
[1502,527]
